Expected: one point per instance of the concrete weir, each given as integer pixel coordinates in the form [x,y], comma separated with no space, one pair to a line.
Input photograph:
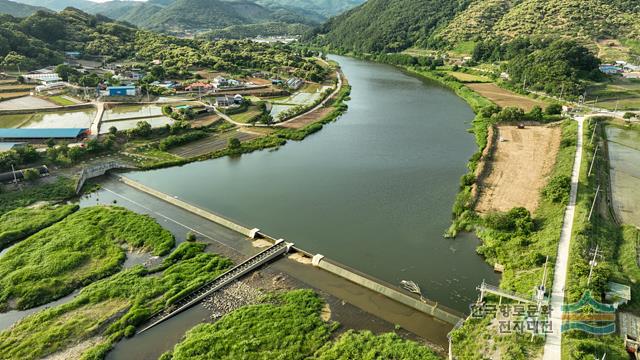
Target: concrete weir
[428,307]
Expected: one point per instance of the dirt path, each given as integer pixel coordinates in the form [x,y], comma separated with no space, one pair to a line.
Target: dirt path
[521,163]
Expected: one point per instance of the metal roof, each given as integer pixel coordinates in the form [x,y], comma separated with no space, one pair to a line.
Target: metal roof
[6,146]
[26,133]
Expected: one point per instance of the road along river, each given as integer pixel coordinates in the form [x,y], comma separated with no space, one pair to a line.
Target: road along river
[373,191]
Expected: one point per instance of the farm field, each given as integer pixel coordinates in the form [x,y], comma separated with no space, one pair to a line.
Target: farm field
[209,144]
[504,97]
[245,117]
[623,94]
[624,159]
[25,103]
[519,169]
[469,78]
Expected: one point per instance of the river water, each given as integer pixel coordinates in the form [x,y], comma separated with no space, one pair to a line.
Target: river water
[373,190]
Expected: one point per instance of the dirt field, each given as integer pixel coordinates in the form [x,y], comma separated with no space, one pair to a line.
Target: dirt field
[504,97]
[521,164]
[27,102]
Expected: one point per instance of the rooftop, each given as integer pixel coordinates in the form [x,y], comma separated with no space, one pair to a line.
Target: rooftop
[26,133]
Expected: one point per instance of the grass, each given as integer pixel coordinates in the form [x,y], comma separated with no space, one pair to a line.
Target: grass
[466,77]
[62,189]
[620,93]
[367,346]
[60,100]
[284,326]
[245,117]
[111,306]
[82,248]
[288,326]
[22,222]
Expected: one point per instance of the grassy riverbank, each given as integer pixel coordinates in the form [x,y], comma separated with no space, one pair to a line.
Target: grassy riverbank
[288,326]
[62,189]
[111,308]
[82,248]
[22,222]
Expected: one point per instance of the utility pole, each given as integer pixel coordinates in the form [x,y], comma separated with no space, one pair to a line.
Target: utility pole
[595,154]
[593,133]
[562,91]
[593,205]
[524,83]
[596,253]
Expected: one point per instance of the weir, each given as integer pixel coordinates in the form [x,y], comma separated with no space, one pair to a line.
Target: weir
[431,308]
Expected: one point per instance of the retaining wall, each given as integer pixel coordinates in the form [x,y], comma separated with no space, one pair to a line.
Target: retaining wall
[181,204]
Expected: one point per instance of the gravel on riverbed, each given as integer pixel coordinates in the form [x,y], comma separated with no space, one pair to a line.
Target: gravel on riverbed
[232,298]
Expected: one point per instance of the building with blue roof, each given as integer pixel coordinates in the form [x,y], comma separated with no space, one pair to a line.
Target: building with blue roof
[27,134]
[122,90]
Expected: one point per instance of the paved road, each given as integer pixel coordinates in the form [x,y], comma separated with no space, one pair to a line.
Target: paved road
[95,125]
[552,347]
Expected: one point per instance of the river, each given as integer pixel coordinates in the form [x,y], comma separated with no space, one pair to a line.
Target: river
[373,190]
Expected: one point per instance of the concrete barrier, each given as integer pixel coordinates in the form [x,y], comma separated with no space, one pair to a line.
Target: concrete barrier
[426,306]
[195,210]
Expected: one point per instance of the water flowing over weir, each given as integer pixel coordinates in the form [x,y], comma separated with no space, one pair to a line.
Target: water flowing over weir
[373,191]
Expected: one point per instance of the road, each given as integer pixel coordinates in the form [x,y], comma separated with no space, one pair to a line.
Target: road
[553,344]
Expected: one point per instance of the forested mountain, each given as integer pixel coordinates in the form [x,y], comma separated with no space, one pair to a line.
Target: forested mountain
[16,9]
[392,25]
[325,8]
[202,15]
[58,5]
[41,38]
[389,25]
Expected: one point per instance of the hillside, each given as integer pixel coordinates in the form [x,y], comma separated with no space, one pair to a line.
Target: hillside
[17,9]
[392,25]
[58,5]
[388,25]
[41,38]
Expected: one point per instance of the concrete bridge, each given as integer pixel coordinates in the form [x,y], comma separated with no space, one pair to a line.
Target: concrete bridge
[276,250]
[98,170]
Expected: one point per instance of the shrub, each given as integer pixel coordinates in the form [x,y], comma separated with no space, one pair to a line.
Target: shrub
[191,237]
[558,188]
[516,220]
[234,144]
[553,109]
[31,174]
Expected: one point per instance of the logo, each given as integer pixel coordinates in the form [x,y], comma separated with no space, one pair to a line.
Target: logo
[590,316]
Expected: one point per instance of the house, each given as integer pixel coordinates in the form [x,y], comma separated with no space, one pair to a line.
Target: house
[72,54]
[199,86]
[276,82]
[51,86]
[39,135]
[224,101]
[122,91]
[295,83]
[238,99]
[220,81]
[610,69]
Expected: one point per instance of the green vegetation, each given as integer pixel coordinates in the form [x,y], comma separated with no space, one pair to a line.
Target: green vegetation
[367,346]
[251,114]
[111,307]
[288,326]
[62,189]
[22,222]
[172,141]
[243,31]
[82,248]
[283,326]
[60,100]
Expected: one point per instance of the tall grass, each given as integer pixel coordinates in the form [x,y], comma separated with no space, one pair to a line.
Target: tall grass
[82,248]
[22,222]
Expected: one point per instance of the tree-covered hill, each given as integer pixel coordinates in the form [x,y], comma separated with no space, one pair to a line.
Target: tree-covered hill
[325,8]
[392,25]
[389,25]
[41,38]
[17,9]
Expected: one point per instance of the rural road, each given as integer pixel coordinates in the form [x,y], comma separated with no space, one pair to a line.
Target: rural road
[552,346]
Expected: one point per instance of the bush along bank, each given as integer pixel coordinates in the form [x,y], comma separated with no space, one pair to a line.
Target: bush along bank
[23,222]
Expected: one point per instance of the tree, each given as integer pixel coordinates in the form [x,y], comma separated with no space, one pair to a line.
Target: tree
[14,60]
[234,144]
[629,115]
[553,109]
[65,71]
[510,114]
[113,130]
[191,237]
[536,114]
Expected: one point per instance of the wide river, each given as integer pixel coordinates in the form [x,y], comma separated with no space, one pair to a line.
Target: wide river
[373,190]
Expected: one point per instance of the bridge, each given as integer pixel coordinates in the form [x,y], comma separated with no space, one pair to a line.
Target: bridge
[98,170]
[485,288]
[279,248]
